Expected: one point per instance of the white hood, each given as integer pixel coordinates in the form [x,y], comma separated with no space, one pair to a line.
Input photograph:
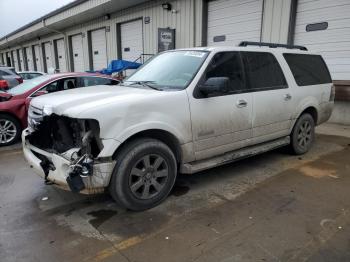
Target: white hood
[73,102]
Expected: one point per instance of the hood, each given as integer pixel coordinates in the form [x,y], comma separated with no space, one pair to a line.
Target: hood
[4,96]
[72,102]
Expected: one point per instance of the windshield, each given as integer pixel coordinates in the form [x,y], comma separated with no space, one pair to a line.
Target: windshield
[29,84]
[170,70]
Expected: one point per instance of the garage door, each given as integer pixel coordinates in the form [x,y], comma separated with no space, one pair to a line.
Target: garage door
[233,21]
[131,40]
[99,49]
[48,57]
[61,55]
[38,59]
[21,60]
[324,26]
[15,59]
[30,61]
[2,58]
[77,53]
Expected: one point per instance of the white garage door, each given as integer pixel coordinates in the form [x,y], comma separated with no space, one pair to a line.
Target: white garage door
[131,40]
[30,61]
[48,57]
[15,59]
[38,58]
[61,55]
[233,21]
[77,52]
[324,26]
[21,59]
[99,49]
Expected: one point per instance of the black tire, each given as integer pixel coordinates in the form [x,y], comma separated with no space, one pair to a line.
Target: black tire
[13,134]
[303,134]
[132,177]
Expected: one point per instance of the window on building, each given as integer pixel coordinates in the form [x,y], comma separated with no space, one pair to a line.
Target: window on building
[308,69]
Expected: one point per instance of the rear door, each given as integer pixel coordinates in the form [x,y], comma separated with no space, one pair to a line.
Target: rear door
[38,58]
[222,122]
[48,56]
[99,49]
[61,56]
[272,98]
[77,53]
[30,61]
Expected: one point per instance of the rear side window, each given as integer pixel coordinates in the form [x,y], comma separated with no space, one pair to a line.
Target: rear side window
[263,71]
[308,69]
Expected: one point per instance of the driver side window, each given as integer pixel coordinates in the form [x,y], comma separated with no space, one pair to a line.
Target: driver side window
[227,64]
[50,88]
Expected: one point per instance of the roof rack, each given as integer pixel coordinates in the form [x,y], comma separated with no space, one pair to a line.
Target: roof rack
[272,45]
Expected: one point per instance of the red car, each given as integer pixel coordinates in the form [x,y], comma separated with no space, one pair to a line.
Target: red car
[15,102]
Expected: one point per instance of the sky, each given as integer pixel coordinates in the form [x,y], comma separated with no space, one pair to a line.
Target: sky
[16,13]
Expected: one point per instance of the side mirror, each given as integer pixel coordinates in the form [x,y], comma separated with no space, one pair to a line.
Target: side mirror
[40,93]
[215,85]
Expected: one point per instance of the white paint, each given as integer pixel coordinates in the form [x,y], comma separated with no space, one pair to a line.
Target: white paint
[30,61]
[77,52]
[99,49]
[61,55]
[334,42]
[237,20]
[131,40]
[15,60]
[21,59]
[48,56]
[38,58]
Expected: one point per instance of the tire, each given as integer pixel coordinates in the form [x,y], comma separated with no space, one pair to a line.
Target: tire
[144,174]
[10,130]
[303,134]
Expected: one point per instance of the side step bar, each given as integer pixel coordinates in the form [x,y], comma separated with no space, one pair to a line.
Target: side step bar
[197,166]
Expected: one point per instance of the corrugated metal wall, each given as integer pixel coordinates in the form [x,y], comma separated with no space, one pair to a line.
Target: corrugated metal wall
[187,19]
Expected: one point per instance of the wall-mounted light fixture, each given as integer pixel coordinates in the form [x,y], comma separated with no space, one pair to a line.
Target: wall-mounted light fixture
[82,35]
[166,6]
[107,16]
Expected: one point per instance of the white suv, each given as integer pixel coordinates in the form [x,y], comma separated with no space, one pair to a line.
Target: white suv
[183,111]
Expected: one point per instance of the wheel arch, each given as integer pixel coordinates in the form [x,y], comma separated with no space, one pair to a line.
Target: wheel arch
[162,135]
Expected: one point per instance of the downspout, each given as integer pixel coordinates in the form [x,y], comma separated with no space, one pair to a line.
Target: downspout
[65,41]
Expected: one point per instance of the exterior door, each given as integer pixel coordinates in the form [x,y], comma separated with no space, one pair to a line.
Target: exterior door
[15,59]
[30,61]
[222,122]
[38,58]
[99,49]
[232,21]
[21,59]
[48,57]
[273,101]
[61,55]
[77,53]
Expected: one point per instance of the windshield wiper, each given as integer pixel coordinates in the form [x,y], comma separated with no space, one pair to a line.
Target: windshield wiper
[145,84]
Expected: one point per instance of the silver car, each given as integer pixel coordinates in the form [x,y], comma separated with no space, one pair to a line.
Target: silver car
[9,78]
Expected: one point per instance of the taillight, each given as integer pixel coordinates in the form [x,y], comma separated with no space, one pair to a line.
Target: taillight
[332,96]
[4,85]
[19,79]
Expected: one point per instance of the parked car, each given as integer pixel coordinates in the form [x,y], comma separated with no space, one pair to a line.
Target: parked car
[183,111]
[26,75]
[15,102]
[9,78]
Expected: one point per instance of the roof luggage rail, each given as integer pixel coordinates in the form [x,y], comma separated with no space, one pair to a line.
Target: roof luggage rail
[272,45]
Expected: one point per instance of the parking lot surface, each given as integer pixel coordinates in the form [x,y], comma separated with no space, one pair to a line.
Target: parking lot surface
[272,207]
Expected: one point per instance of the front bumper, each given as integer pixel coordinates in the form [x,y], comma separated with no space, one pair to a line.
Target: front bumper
[96,183]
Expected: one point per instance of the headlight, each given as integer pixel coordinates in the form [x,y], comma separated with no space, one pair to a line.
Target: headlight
[47,110]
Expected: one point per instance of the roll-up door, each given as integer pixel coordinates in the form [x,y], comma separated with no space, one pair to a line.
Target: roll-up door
[61,55]
[15,59]
[131,40]
[99,49]
[38,58]
[323,26]
[77,53]
[30,61]
[233,21]
[21,59]
[48,57]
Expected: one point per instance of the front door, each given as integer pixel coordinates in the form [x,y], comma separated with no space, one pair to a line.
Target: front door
[222,121]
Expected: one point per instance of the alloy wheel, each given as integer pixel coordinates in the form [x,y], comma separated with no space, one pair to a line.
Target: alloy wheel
[8,131]
[304,134]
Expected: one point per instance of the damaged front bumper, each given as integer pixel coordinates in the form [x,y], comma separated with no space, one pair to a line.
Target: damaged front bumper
[60,167]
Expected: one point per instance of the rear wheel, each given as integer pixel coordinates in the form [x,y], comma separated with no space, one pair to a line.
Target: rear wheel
[303,134]
[144,174]
[10,130]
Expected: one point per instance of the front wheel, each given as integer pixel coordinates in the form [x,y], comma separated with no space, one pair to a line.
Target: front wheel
[303,134]
[10,130]
[144,174]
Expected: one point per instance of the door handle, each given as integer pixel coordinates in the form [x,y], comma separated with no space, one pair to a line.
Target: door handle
[287,97]
[241,103]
